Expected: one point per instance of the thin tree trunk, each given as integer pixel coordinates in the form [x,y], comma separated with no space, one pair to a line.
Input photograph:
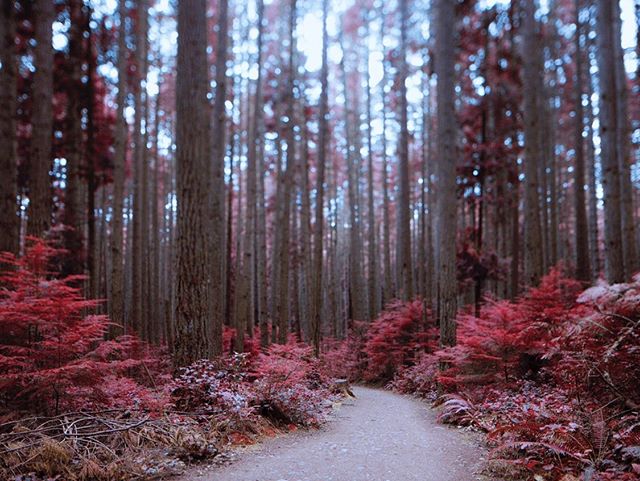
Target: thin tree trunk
[217,193]
[73,204]
[583,269]
[139,223]
[40,195]
[608,138]
[446,199]
[388,290]
[403,261]
[357,291]
[623,148]
[533,154]
[318,234]
[283,281]
[156,314]
[9,220]
[594,238]
[119,160]
[373,285]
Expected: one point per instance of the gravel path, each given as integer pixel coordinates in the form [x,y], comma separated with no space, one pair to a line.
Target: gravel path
[380,436]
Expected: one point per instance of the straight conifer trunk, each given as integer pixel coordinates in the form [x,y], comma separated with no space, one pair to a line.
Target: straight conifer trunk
[193,154]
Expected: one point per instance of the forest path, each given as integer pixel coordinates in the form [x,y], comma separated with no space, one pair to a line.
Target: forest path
[379,436]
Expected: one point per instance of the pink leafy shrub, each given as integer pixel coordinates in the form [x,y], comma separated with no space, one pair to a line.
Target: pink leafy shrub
[53,354]
[284,386]
[396,338]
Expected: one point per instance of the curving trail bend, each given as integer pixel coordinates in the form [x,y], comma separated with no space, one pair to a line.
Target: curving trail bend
[380,436]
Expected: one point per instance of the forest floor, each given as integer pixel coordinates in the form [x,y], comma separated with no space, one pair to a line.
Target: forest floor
[379,436]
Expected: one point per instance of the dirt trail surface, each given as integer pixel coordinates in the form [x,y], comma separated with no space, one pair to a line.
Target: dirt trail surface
[380,436]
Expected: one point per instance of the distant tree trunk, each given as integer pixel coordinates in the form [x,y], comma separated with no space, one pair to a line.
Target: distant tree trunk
[446,169]
[42,122]
[403,238]
[304,243]
[533,254]
[139,223]
[193,155]
[156,312]
[358,299]
[9,220]
[217,193]
[145,330]
[258,238]
[594,238]
[119,160]
[73,216]
[93,241]
[623,148]
[608,139]
[261,228]
[583,269]
[283,281]
[374,289]
[388,290]
[318,235]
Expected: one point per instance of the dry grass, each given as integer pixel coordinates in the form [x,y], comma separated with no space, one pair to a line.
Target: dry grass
[104,446]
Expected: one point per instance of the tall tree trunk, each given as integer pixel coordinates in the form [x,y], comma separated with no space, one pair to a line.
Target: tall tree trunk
[608,139]
[139,223]
[154,294]
[144,201]
[446,168]
[40,195]
[403,260]
[594,237]
[93,242]
[623,147]
[304,262]
[388,290]
[217,193]
[73,205]
[119,160]
[373,285]
[357,291]
[533,254]
[583,269]
[260,227]
[193,155]
[283,281]
[318,235]
[9,220]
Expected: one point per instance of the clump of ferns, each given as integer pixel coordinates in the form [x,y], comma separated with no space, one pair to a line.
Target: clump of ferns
[583,442]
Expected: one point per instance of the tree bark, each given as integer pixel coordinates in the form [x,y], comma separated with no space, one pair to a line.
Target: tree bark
[139,223]
[608,138]
[283,281]
[373,284]
[217,193]
[74,211]
[119,160]
[318,246]
[9,220]
[404,259]
[623,148]
[446,169]
[583,269]
[533,254]
[193,155]
[40,195]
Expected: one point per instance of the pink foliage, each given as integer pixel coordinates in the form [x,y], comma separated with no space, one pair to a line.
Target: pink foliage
[396,338]
[52,354]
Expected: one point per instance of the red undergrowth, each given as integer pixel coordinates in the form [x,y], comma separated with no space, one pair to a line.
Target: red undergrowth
[76,404]
[551,377]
